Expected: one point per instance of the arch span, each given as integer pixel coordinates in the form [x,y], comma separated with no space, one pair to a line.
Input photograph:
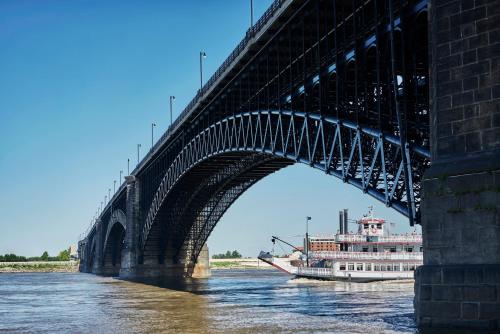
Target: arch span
[361,156]
[113,243]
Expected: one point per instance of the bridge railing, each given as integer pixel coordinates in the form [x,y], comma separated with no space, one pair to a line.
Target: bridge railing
[251,32]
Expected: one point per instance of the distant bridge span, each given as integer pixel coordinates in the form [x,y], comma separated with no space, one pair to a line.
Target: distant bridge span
[342,86]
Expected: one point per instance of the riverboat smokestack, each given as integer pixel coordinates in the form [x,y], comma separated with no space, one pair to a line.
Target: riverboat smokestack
[341,222]
[346,227]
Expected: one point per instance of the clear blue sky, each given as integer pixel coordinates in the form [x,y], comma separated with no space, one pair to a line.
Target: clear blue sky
[80,84]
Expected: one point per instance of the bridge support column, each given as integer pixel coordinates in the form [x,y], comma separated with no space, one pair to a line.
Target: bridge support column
[83,265]
[97,267]
[129,252]
[458,287]
[202,266]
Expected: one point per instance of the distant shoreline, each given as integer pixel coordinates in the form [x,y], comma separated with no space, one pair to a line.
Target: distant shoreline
[72,266]
[39,267]
[242,263]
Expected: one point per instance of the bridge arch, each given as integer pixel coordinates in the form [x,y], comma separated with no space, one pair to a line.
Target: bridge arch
[113,243]
[360,156]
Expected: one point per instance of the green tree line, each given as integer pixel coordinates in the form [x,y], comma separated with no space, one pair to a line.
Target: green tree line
[62,256]
[228,255]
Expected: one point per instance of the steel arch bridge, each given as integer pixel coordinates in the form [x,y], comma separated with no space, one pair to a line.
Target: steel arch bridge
[341,86]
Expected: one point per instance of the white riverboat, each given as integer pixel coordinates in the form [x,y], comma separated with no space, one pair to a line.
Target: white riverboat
[370,254]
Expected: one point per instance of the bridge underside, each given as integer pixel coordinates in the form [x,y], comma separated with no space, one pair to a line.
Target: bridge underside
[195,204]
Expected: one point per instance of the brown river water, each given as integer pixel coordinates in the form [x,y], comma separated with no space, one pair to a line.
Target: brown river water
[232,301]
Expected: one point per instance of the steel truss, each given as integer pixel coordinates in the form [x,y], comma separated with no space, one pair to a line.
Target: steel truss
[360,156]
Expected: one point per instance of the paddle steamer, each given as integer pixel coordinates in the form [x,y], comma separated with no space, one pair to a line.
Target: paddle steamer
[372,253]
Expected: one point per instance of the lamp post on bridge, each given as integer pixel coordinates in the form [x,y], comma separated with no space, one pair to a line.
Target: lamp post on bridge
[105,199]
[152,134]
[203,55]
[128,166]
[109,194]
[121,172]
[307,240]
[114,187]
[172,99]
[138,151]
[251,13]
[101,206]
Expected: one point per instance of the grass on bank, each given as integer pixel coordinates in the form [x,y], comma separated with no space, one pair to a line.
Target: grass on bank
[39,267]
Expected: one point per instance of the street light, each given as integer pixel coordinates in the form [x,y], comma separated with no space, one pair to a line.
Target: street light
[138,151]
[307,240]
[172,99]
[121,172]
[128,166]
[202,56]
[105,199]
[152,127]
[251,13]
[114,187]
[101,206]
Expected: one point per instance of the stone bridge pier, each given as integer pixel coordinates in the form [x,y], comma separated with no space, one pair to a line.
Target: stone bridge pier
[459,284]
[133,264]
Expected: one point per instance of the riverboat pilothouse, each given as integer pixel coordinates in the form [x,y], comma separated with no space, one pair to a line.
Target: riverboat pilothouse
[372,253]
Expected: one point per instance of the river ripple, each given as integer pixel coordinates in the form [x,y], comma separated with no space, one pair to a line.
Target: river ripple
[232,301]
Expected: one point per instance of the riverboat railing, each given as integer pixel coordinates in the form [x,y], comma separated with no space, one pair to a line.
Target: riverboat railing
[350,238]
[315,272]
[403,238]
[326,255]
[411,238]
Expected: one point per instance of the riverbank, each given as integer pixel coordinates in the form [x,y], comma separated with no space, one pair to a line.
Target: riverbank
[246,263]
[39,267]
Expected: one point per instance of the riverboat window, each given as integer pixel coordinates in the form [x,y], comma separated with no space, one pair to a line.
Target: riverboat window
[365,249]
[376,267]
[350,266]
[365,226]
[421,249]
[379,226]
[388,267]
[408,249]
[412,267]
[359,266]
[342,266]
[368,267]
[396,267]
[405,267]
[393,250]
[375,249]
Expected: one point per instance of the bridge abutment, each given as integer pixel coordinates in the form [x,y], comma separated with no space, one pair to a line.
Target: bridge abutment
[459,284]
